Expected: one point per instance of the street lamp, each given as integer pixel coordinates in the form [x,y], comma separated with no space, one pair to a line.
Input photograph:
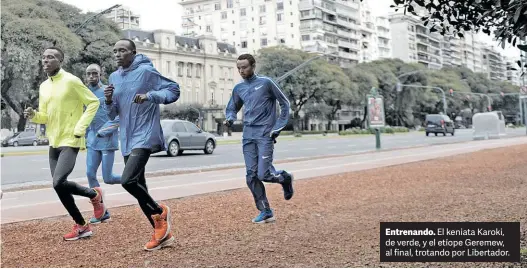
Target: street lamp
[94,17]
[284,76]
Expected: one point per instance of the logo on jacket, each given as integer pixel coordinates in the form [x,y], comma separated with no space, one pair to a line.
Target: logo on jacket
[256,88]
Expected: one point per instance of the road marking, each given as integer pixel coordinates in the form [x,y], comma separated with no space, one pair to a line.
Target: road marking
[46,168]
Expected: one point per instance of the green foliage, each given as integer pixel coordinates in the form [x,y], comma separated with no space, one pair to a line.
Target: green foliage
[28,27]
[506,19]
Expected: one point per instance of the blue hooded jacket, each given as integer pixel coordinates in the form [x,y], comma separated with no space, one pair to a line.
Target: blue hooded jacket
[102,125]
[258,96]
[140,125]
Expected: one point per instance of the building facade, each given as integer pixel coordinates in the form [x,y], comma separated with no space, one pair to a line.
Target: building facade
[248,25]
[124,18]
[412,42]
[204,68]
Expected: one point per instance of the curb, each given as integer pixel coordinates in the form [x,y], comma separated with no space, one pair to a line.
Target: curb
[194,170]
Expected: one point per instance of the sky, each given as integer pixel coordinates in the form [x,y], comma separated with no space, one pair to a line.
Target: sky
[166,14]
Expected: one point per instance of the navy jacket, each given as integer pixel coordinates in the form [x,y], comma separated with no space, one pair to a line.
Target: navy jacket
[258,96]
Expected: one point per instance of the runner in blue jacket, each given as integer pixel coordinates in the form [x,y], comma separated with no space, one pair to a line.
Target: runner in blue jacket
[258,95]
[101,140]
[136,89]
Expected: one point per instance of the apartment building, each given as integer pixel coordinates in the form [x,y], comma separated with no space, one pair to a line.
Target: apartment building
[495,63]
[203,67]
[125,18]
[384,39]
[512,72]
[248,25]
[466,51]
[412,42]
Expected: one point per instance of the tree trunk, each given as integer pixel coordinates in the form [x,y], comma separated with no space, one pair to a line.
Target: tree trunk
[296,121]
[21,126]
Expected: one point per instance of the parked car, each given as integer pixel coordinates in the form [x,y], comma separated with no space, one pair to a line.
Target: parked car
[25,138]
[183,135]
[438,123]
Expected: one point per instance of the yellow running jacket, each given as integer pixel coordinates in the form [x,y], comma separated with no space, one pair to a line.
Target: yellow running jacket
[62,98]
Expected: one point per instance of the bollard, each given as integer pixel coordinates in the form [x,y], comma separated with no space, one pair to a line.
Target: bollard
[377,138]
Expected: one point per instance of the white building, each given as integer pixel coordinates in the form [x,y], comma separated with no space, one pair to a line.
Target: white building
[412,42]
[513,72]
[384,38]
[125,18]
[204,69]
[245,24]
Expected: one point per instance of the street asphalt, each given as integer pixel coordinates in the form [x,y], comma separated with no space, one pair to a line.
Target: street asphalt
[34,169]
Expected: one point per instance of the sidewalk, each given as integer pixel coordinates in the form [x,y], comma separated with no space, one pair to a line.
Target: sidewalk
[42,203]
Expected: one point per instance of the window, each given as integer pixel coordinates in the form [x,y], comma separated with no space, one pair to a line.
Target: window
[180,69]
[262,9]
[178,127]
[279,17]
[304,13]
[209,29]
[198,70]
[244,44]
[263,42]
[191,127]
[169,70]
[262,20]
[229,3]
[280,6]
[224,15]
[243,12]
[212,70]
[217,6]
[305,37]
[189,70]
[291,24]
[282,40]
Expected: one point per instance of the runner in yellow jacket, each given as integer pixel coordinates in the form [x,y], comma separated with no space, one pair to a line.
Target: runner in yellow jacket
[62,98]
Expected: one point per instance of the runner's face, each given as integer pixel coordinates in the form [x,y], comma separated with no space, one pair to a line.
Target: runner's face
[92,75]
[245,69]
[51,60]
[123,54]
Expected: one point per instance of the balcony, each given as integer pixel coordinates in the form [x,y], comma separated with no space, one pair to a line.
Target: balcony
[347,44]
[344,23]
[347,55]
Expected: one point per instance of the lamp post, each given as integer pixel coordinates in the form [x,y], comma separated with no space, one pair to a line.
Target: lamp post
[284,76]
[94,17]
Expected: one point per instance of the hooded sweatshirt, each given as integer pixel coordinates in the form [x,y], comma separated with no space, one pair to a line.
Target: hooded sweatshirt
[102,125]
[140,125]
[62,98]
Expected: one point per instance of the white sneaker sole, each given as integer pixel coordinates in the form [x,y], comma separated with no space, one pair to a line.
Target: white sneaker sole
[165,243]
[83,235]
[271,219]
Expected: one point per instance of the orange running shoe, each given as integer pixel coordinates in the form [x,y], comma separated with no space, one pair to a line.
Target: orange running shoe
[99,209]
[162,223]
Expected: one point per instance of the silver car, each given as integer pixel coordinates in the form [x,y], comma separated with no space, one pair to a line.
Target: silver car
[183,135]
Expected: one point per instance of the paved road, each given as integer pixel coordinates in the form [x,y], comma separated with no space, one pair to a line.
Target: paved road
[42,203]
[34,169]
